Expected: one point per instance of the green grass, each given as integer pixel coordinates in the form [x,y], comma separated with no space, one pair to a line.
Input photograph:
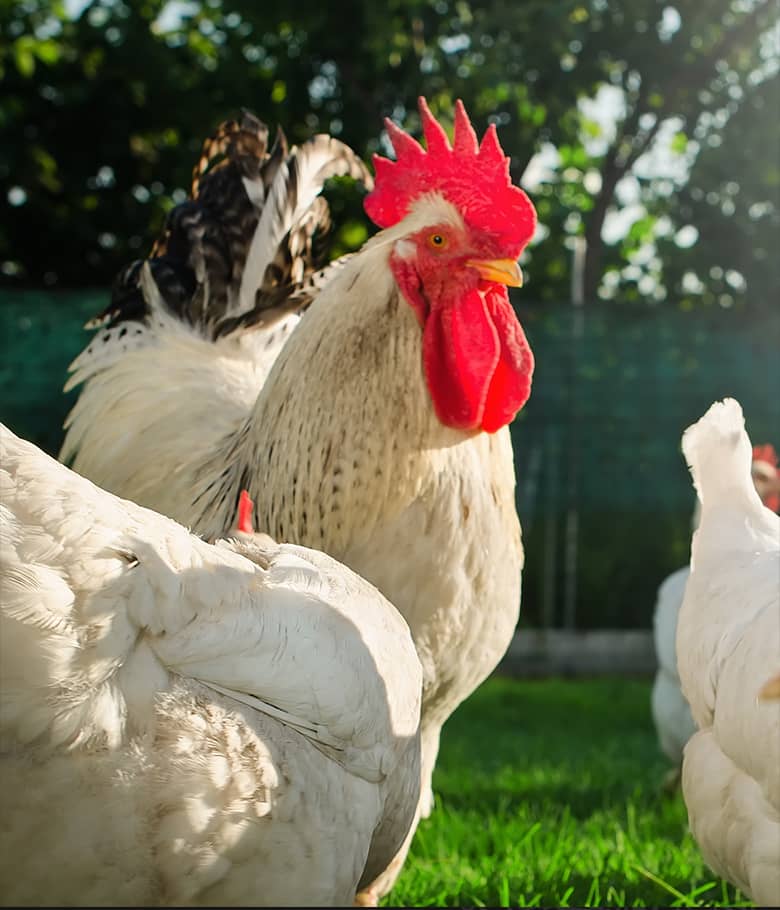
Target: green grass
[549,793]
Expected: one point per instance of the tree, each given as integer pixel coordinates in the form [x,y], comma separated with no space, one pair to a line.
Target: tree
[104,115]
[711,66]
[733,199]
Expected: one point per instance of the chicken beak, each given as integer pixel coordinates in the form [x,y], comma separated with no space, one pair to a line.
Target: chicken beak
[770,691]
[504,271]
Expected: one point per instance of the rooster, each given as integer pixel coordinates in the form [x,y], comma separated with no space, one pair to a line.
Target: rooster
[377,430]
[728,641]
[672,716]
[161,743]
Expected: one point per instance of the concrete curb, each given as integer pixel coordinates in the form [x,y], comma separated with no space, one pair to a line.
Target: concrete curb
[559,652]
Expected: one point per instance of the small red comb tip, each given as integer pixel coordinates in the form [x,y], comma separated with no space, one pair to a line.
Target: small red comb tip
[245,506]
[490,151]
[465,141]
[435,138]
[404,146]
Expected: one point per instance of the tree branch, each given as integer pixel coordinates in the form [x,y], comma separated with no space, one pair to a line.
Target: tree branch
[696,75]
[615,166]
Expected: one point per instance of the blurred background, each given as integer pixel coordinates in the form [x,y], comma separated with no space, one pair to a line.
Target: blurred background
[647,134]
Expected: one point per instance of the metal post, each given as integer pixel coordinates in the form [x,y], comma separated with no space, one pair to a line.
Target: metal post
[574,451]
[549,575]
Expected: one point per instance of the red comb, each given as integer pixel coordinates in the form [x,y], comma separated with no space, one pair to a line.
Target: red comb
[474,177]
[765,453]
[245,506]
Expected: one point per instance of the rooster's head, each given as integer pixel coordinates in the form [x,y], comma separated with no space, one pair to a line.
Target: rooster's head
[459,225]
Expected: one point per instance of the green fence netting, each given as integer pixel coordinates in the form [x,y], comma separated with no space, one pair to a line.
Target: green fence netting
[603,492]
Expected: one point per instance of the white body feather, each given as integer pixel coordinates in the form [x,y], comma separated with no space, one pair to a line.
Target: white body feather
[671,713]
[188,723]
[167,406]
[728,643]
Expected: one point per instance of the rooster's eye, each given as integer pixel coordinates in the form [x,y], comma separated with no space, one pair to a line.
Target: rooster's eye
[437,241]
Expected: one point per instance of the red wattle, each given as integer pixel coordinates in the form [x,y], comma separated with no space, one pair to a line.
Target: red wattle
[510,386]
[477,361]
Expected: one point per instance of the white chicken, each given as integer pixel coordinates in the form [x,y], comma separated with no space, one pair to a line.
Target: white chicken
[671,714]
[182,723]
[728,642]
[378,433]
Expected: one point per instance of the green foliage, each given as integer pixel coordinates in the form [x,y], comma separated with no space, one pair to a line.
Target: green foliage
[548,793]
[733,199]
[103,116]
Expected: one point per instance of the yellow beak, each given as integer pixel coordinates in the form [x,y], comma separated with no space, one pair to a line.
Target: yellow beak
[770,690]
[504,271]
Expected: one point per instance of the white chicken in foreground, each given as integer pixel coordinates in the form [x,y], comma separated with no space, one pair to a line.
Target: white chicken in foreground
[377,430]
[182,723]
[728,643]
[673,721]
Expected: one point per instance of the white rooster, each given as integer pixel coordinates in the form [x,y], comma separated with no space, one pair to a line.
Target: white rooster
[728,642]
[378,433]
[184,723]
[671,713]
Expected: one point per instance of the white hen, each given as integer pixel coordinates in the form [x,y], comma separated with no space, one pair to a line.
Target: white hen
[671,713]
[728,641]
[185,723]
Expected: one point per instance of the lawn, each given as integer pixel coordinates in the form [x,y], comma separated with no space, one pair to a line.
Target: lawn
[548,793]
